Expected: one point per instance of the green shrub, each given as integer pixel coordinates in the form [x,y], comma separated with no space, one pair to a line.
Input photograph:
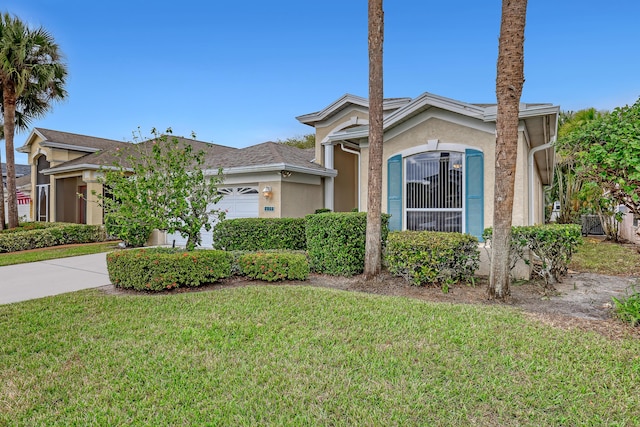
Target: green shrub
[35,225]
[257,234]
[336,241]
[552,244]
[432,258]
[57,234]
[628,309]
[132,233]
[272,266]
[156,269]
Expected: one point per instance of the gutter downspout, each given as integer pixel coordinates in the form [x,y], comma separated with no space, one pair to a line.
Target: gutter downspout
[530,169]
[357,153]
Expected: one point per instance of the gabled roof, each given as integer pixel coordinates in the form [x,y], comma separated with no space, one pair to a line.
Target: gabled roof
[21,170]
[268,156]
[120,153]
[69,141]
[346,101]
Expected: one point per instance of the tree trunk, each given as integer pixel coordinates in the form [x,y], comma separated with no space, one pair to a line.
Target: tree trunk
[373,246]
[1,201]
[9,103]
[509,83]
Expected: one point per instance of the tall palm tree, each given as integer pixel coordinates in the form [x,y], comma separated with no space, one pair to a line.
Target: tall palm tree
[28,107]
[373,246]
[31,73]
[509,83]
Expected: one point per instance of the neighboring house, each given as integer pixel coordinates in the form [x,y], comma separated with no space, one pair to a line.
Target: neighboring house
[65,168]
[23,173]
[439,160]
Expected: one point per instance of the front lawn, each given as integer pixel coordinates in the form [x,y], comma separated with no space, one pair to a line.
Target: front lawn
[603,257]
[282,355]
[55,252]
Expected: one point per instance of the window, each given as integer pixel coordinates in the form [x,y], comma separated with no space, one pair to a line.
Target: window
[434,191]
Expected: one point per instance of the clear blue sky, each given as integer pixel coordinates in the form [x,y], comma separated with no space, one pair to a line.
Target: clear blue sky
[238,72]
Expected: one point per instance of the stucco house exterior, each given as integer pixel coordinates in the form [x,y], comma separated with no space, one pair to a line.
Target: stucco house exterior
[438,170]
[65,168]
[439,160]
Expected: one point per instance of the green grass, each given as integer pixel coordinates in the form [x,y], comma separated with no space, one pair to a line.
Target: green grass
[280,355]
[602,257]
[55,252]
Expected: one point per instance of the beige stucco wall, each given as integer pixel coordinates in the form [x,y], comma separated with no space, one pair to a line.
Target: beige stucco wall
[300,199]
[346,183]
[275,201]
[343,120]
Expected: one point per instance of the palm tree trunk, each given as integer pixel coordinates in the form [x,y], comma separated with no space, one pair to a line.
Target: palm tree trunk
[9,104]
[373,245]
[2,214]
[509,83]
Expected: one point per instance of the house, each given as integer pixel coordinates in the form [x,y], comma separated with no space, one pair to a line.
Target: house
[438,154]
[22,194]
[438,170]
[65,168]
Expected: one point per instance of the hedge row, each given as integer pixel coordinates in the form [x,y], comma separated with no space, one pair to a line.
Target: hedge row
[272,266]
[336,241]
[553,245]
[257,234]
[432,258]
[156,269]
[57,234]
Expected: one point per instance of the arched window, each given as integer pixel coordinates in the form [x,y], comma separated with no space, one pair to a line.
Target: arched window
[434,191]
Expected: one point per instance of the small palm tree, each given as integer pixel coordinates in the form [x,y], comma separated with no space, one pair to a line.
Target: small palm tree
[32,75]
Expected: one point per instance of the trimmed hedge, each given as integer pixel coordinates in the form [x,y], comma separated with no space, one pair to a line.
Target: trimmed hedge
[272,266]
[552,244]
[432,258]
[257,234]
[336,241]
[58,234]
[157,269]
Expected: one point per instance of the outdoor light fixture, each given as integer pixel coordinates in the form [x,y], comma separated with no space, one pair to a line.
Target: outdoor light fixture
[267,193]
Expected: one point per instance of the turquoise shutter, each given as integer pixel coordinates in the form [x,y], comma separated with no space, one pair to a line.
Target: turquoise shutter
[394,192]
[474,185]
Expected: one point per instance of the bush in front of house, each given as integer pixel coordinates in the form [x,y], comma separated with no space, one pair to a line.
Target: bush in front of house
[336,241]
[57,234]
[432,258]
[257,234]
[132,233]
[157,269]
[552,244]
[273,266]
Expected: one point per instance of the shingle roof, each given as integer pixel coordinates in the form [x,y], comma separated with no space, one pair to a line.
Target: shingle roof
[78,140]
[267,153]
[23,180]
[20,170]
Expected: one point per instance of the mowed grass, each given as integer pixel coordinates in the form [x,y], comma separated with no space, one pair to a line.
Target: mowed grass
[281,355]
[44,254]
[603,257]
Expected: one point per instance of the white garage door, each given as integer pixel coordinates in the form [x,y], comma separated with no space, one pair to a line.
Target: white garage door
[237,202]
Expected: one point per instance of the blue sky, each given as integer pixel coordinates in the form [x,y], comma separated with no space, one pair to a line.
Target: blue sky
[238,73]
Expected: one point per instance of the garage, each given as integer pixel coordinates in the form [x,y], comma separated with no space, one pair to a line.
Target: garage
[237,202]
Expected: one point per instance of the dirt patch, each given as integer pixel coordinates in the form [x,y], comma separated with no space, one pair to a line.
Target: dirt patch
[582,300]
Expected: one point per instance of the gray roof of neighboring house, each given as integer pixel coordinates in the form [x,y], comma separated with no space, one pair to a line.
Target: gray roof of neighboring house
[20,170]
[81,142]
[256,158]
[23,181]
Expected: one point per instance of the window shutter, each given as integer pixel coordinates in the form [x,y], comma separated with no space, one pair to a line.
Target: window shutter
[474,185]
[394,192]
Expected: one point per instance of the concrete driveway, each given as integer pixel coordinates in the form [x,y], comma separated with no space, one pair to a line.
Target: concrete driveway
[23,282]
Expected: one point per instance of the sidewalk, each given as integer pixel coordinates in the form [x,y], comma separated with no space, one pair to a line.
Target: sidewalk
[23,282]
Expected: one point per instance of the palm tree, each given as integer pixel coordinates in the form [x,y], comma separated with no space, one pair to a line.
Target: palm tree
[29,106]
[373,247]
[32,75]
[509,83]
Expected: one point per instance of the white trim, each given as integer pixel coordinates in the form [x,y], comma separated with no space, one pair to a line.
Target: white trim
[435,145]
[79,167]
[63,146]
[274,167]
[312,118]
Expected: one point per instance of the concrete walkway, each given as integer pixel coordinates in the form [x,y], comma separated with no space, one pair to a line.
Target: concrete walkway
[23,282]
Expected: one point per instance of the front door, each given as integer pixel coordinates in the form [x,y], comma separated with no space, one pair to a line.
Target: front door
[82,204]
